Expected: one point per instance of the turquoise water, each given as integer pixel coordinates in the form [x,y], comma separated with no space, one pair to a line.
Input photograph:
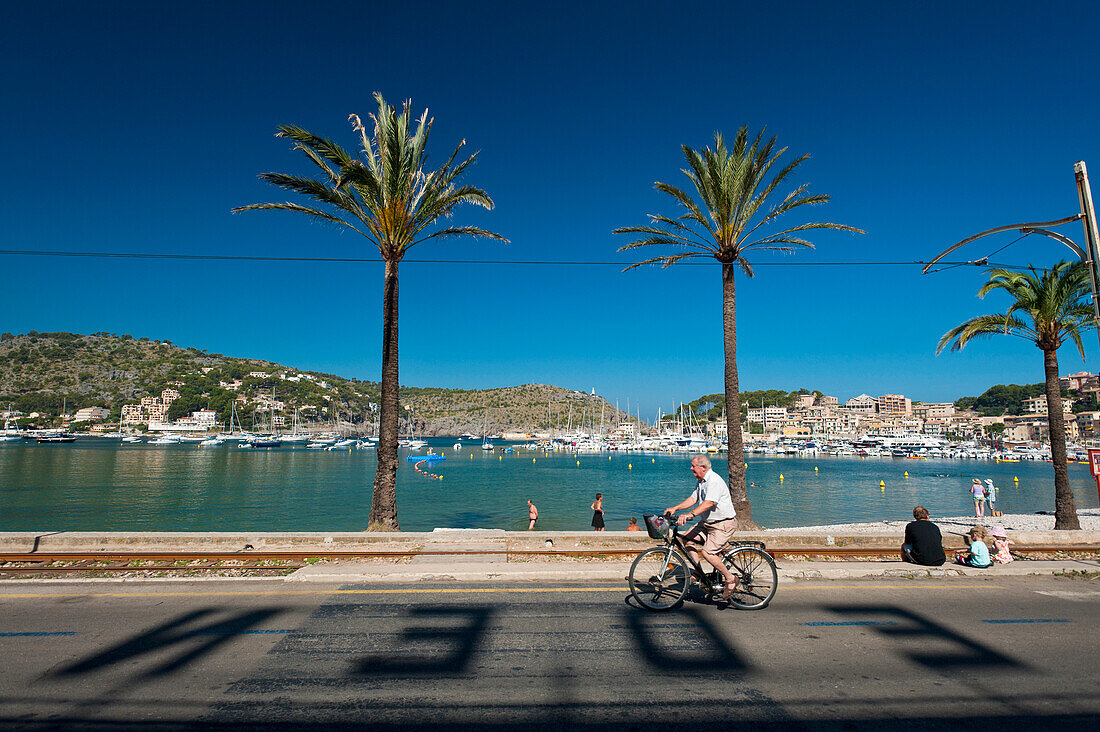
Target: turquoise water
[97,484]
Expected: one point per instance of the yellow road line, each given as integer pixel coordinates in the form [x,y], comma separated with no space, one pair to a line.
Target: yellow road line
[453,591]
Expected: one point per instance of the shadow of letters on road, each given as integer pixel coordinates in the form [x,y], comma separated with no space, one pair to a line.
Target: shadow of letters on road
[195,641]
[966,652]
[691,643]
[421,651]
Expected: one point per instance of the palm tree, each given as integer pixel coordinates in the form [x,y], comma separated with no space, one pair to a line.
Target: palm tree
[1047,309]
[728,222]
[384,195]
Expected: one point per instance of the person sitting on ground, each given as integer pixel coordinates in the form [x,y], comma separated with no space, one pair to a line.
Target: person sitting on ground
[1001,543]
[978,555]
[633,525]
[923,541]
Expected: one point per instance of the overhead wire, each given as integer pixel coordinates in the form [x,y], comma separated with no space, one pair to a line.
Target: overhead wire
[510,262]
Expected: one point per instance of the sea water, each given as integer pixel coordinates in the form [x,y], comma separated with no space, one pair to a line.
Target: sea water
[99,484]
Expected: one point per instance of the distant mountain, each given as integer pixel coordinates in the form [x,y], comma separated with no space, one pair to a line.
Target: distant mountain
[46,372]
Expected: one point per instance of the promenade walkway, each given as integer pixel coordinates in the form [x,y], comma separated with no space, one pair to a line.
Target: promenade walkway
[494,555]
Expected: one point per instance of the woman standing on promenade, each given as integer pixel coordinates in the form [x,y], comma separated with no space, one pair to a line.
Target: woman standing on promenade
[597,512]
[978,491]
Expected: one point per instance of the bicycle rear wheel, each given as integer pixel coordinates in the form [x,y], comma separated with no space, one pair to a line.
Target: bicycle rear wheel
[658,580]
[757,578]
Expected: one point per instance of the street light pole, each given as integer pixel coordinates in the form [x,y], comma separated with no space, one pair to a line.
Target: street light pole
[1092,241]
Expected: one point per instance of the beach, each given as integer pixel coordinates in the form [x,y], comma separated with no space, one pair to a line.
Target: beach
[1089,518]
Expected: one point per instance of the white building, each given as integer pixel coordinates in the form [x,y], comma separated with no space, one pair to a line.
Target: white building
[1038,405]
[91,414]
[772,415]
[926,410]
[863,404]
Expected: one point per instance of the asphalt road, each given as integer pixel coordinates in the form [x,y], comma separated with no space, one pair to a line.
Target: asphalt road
[853,655]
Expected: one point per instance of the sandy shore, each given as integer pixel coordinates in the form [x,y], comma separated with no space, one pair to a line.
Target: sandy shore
[1089,517]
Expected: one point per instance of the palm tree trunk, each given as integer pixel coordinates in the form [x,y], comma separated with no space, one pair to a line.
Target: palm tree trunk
[383,509]
[1065,508]
[735,456]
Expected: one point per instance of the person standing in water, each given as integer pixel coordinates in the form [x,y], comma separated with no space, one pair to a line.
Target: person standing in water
[532,514]
[977,490]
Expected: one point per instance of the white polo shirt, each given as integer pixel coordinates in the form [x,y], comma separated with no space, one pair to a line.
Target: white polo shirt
[713,488]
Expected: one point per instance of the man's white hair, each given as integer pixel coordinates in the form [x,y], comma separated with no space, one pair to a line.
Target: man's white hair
[702,460]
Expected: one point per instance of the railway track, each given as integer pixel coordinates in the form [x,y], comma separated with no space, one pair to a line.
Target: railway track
[276,562]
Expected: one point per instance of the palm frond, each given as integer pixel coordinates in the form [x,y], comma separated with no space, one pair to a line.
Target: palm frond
[452,231]
[311,212]
[979,327]
[731,185]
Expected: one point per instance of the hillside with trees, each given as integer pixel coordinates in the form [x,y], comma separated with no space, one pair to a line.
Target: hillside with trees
[1002,399]
[51,372]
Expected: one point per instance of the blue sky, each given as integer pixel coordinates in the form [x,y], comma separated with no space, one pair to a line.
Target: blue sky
[136,127]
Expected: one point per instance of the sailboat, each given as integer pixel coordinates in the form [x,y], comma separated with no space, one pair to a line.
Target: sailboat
[231,435]
[271,439]
[9,435]
[295,437]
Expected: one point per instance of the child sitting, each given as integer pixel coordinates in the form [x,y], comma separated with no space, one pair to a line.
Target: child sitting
[1001,543]
[978,556]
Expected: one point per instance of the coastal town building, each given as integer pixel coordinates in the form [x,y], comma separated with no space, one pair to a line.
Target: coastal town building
[150,409]
[863,404]
[625,431]
[893,405]
[91,414]
[1038,405]
[926,410]
[1079,381]
[770,415]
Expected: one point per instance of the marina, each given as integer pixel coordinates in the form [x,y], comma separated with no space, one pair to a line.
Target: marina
[107,485]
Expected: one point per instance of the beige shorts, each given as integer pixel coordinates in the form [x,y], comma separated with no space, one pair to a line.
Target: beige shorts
[711,536]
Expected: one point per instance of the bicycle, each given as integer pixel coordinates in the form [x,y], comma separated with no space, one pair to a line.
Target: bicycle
[661,576]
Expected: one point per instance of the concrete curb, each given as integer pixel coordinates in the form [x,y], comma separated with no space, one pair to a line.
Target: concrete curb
[503,572]
[91,541]
[611,571]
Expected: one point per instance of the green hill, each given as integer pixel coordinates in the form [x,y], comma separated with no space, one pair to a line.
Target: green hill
[49,372]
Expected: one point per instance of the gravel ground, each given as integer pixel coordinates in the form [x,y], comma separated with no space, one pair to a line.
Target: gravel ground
[1090,521]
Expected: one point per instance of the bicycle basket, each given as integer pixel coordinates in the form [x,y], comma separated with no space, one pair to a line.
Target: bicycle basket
[657,526]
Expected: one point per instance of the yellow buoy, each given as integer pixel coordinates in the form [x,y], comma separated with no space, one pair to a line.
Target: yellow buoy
[746,465]
[653,460]
[780,477]
[578,463]
[906,473]
[629,466]
[882,484]
[815,468]
[608,457]
[532,459]
[1015,479]
[500,457]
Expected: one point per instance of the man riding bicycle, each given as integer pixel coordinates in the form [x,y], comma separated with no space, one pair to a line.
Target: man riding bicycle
[712,503]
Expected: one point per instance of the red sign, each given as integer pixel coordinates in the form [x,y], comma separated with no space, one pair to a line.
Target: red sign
[1094,463]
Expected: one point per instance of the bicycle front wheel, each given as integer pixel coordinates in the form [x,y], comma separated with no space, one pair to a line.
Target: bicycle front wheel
[756,577]
[659,579]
